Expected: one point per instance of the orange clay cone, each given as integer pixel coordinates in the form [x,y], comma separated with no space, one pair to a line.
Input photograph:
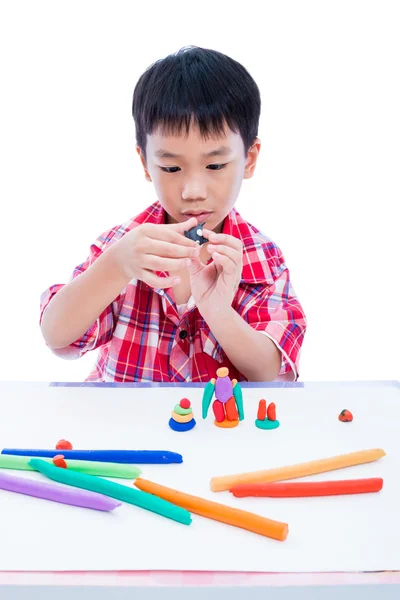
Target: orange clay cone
[271,412]
[262,410]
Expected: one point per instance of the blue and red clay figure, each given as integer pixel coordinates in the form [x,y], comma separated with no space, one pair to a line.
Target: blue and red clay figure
[182,418]
[228,405]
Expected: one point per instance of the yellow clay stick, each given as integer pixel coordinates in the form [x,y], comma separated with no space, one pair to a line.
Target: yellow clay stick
[219,484]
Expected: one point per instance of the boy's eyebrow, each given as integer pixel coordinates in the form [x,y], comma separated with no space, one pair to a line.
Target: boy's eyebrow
[222,151]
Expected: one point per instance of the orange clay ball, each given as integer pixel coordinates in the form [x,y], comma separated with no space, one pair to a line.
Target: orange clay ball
[222,372]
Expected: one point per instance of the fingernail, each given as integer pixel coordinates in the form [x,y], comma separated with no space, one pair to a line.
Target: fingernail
[176,280]
[196,252]
[188,262]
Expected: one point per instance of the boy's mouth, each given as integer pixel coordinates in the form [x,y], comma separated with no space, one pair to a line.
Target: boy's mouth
[200,216]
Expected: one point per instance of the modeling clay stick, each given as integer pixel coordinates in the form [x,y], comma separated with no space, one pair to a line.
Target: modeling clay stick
[114,456]
[115,490]
[217,512]
[56,493]
[219,484]
[309,488]
[118,471]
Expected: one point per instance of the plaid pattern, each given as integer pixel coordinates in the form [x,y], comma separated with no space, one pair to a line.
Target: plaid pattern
[139,336]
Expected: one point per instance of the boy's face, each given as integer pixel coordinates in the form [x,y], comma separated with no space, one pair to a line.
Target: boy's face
[197,177]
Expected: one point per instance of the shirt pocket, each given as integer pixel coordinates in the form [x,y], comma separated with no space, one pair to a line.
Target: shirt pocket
[210,345]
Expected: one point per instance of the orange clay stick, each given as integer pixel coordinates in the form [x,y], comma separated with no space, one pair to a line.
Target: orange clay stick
[309,488]
[219,484]
[217,512]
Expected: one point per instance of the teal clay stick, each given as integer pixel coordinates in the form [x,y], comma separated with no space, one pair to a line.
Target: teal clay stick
[104,469]
[114,490]
[207,397]
[237,392]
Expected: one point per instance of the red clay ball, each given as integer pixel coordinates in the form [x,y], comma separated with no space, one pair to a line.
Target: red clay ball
[345,416]
[59,461]
[64,445]
[184,403]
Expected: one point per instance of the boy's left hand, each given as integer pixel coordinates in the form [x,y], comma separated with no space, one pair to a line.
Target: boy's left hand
[214,285]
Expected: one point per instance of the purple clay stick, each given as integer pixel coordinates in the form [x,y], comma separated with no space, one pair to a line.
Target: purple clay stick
[57,493]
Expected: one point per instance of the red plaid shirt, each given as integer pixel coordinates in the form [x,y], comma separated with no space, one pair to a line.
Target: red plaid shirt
[141,337]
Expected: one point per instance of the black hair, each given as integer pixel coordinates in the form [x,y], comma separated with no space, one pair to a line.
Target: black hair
[196,84]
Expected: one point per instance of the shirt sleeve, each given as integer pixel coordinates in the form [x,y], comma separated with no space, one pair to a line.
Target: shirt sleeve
[101,331]
[277,313]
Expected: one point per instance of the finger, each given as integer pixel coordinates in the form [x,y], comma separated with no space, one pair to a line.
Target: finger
[185,225]
[195,266]
[169,250]
[159,282]
[234,255]
[174,233]
[169,235]
[226,263]
[223,238]
[159,263]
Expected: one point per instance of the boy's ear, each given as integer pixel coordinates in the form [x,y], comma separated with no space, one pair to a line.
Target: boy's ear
[143,161]
[251,160]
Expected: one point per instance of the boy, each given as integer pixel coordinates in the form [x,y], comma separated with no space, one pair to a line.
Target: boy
[159,306]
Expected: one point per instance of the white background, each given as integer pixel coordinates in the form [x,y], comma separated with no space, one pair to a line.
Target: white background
[326,188]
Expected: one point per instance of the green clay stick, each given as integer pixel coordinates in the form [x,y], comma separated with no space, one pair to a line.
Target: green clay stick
[90,467]
[114,490]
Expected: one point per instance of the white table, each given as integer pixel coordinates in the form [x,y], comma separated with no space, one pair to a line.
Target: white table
[195,585]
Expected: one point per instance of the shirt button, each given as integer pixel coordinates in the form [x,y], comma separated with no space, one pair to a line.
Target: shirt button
[183,334]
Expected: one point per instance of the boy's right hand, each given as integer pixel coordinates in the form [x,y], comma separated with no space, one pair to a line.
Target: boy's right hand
[150,247]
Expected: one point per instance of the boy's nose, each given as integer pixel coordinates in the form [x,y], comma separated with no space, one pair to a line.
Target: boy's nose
[194,190]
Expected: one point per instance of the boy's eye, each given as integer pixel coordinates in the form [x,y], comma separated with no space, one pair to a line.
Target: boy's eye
[170,169]
[216,167]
